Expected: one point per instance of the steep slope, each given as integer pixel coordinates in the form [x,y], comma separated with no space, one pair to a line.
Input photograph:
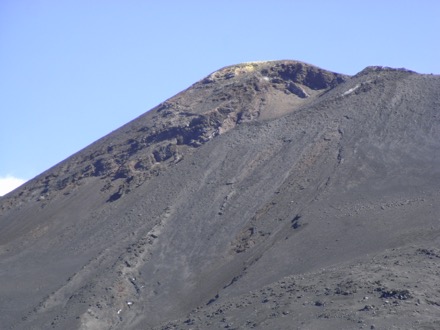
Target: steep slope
[257,173]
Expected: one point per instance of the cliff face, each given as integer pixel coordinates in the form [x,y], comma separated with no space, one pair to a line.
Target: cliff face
[255,174]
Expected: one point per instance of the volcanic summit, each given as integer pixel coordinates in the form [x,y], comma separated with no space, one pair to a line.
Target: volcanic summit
[268,195]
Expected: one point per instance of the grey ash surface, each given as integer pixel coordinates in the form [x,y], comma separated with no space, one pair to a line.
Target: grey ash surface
[267,195]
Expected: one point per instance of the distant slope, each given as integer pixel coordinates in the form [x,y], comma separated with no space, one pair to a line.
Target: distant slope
[255,175]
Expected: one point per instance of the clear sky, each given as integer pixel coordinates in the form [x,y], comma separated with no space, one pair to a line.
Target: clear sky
[73,71]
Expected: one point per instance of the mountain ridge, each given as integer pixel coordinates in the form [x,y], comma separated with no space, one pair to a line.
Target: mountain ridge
[298,70]
[230,186]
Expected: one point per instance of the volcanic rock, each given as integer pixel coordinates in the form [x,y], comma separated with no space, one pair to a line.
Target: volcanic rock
[267,195]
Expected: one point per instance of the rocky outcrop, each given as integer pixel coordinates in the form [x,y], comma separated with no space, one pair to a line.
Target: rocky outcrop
[269,194]
[228,97]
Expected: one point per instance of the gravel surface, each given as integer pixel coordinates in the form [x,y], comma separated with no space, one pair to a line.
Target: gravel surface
[270,195]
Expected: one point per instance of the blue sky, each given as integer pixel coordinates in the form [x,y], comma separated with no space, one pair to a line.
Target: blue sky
[73,71]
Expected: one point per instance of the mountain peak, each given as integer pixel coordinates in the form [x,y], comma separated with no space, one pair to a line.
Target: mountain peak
[233,95]
[377,69]
[288,71]
[263,189]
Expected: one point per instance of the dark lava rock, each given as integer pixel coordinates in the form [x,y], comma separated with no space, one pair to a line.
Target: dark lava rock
[260,193]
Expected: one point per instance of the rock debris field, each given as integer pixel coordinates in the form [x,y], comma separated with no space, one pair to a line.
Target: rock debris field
[267,195]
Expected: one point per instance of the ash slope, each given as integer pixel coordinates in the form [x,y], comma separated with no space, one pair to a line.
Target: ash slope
[258,175]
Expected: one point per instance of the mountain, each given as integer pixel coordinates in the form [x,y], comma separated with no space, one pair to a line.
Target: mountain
[267,195]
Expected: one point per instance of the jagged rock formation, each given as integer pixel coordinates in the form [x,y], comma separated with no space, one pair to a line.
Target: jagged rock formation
[225,205]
